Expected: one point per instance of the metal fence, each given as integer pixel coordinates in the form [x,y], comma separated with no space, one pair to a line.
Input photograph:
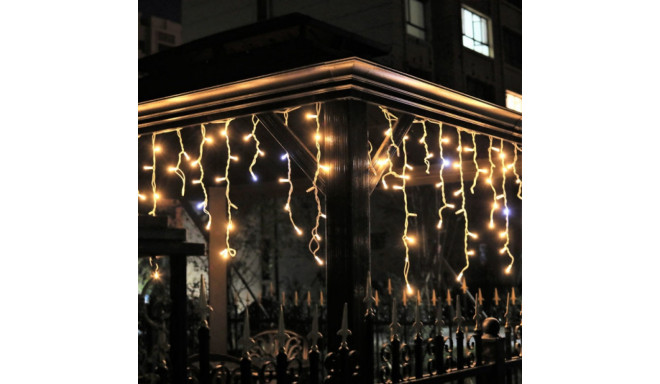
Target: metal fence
[437,344]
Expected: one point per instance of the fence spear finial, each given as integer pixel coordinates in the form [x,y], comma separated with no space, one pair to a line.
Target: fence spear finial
[281,334]
[246,340]
[459,318]
[368,298]
[344,332]
[477,313]
[507,314]
[314,335]
[395,327]
[204,307]
[513,296]
[418,326]
[496,299]
[439,323]
[449,300]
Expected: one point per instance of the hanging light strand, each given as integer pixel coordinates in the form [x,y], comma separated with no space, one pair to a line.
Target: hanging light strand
[515,163]
[390,132]
[428,155]
[490,180]
[476,165]
[153,174]
[229,251]
[287,207]
[285,114]
[405,238]
[314,243]
[506,210]
[390,118]
[462,210]
[253,135]
[201,176]
[441,184]
[177,170]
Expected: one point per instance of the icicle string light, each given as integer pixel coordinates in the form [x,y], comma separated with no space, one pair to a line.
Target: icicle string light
[257,152]
[201,176]
[153,174]
[515,162]
[428,155]
[177,170]
[287,207]
[154,266]
[506,210]
[463,210]
[229,251]
[314,242]
[285,114]
[390,117]
[390,132]
[476,165]
[405,238]
[491,181]
[442,180]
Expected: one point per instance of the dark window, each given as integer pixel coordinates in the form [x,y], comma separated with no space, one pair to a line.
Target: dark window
[162,47]
[512,48]
[166,38]
[480,89]
[415,25]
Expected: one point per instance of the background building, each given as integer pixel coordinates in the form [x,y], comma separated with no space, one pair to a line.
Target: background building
[472,46]
[159,26]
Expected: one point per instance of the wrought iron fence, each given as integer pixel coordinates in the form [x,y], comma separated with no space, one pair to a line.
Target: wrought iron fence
[436,345]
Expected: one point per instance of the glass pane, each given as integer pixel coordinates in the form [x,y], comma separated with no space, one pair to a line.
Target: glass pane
[467,42]
[417,13]
[484,31]
[476,24]
[467,23]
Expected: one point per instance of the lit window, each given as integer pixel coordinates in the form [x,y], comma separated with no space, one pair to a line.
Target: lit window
[514,101]
[476,32]
[415,19]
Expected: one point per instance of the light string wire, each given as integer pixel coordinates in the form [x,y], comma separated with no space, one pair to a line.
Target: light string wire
[155,274]
[177,170]
[462,210]
[287,207]
[285,114]
[314,243]
[390,118]
[405,238]
[390,132]
[229,251]
[258,152]
[428,155]
[442,180]
[506,210]
[518,179]
[476,165]
[201,175]
[490,181]
[153,174]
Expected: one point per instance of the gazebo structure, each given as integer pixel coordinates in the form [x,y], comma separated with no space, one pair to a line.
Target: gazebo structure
[346,128]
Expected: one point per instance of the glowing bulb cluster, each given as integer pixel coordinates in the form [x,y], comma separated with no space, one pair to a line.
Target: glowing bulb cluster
[228,251]
[287,207]
[463,210]
[153,173]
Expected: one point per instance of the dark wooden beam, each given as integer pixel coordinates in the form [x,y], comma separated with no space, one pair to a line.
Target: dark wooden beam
[347,209]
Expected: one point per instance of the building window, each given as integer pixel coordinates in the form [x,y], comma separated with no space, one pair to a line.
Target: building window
[512,44]
[415,19]
[514,101]
[476,32]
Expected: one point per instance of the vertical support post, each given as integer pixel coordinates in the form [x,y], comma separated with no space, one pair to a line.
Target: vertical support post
[395,345]
[178,337]
[345,151]
[314,367]
[280,367]
[218,272]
